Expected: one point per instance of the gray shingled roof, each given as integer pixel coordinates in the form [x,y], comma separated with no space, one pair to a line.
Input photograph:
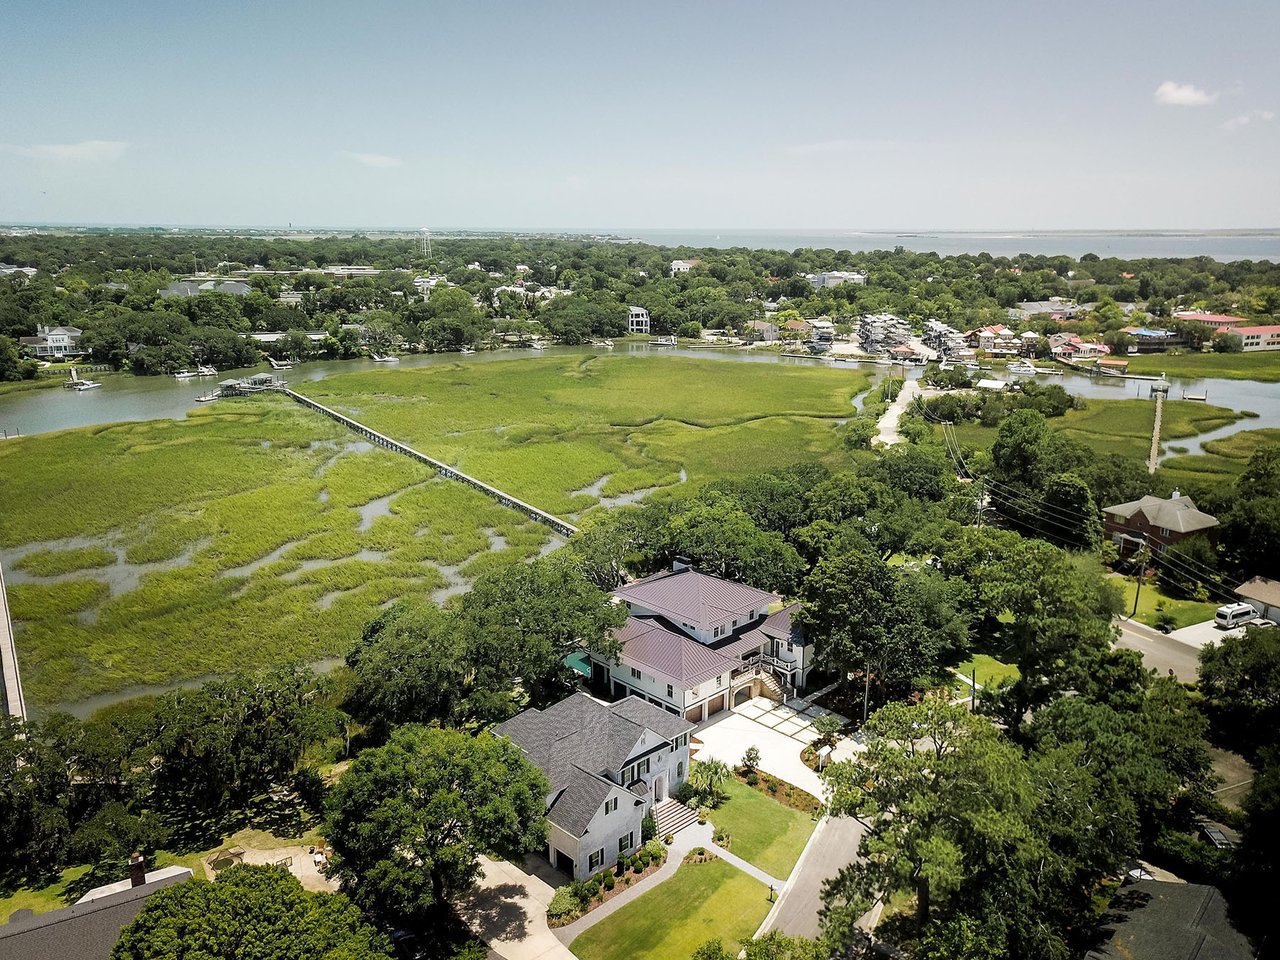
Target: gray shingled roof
[579,742]
[1177,513]
[693,597]
[1260,589]
[85,931]
[647,642]
[1155,920]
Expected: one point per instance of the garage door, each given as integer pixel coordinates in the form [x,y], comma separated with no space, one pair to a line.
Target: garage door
[716,705]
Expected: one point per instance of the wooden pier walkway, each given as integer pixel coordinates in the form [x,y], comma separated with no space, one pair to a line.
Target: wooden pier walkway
[560,526]
[1154,460]
[11,698]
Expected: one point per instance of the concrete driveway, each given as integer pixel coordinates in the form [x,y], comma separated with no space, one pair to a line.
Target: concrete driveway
[1200,635]
[508,910]
[778,731]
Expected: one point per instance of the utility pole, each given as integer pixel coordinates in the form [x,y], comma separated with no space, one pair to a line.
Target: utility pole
[1142,566]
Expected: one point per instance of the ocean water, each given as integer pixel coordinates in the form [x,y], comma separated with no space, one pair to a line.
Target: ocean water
[1220,244]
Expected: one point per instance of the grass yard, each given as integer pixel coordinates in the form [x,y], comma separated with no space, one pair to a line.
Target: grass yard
[761,830]
[702,901]
[989,671]
[252,534]
[41,899]
[1261,366]
[546,429]
[1152,602]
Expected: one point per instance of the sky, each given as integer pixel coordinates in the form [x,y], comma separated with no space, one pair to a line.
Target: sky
[542,114]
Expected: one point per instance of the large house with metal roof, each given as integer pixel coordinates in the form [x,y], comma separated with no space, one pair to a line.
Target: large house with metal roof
[696,645]
[609,765]
[1156,521]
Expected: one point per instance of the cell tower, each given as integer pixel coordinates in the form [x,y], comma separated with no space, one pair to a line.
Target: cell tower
[424,242]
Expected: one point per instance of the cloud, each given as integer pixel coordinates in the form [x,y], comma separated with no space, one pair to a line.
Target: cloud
[1235,123]
[379,160]
[825,146]
[1174,94]
[86,151]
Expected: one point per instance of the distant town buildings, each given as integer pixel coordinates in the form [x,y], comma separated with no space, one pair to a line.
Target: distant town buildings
[1218,321]
[193,288]
[945,339]
[995,341]
[8,268]
[833,278]
[880,332]
[637,320]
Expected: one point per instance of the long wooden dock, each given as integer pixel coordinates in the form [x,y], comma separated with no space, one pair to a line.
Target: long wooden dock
[559,525]
[11,698]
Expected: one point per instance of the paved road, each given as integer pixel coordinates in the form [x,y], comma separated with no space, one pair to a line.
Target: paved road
[834,845]
[1159,652]
[887,430]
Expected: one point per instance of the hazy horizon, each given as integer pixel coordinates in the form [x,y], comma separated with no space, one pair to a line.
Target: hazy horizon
[1140,116]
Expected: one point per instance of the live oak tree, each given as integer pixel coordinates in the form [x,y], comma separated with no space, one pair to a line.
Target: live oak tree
[409,820]
[1240,680]
[935,784]
[249,911]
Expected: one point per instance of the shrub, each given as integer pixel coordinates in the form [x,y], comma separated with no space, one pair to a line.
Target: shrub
[563,904]
[772,786]
[751,758]
[621,866]
[644,858]
[655,850]
[610,881]
[751,778]
[648,829]
[626,879]
[685,793]
[669,839]
[721,837]
[637,867]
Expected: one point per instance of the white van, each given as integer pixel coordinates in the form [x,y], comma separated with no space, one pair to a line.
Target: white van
[1231,615]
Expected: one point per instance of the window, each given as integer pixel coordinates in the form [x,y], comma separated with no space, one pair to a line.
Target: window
[625,842]
[643,766]
[680,770]
[629,774]
[610,805]
[671,692]
[720,681]
[735,624]
[635,674]
[596,860]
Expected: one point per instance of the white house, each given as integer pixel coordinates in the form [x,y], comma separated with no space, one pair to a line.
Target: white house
[53,343]
[833,278]
[696,645]
[683,266]
[609,765]
[1259,338]
[637,320]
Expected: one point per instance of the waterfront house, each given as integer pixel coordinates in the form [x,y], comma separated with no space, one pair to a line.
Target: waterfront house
[683,266]
[637,320]
[696,645]
[1259,338]
[1157,521]
[609,765]
[994,340]
[1217,321]
[762,330]
[1153,339]
[52,343]
[833,278]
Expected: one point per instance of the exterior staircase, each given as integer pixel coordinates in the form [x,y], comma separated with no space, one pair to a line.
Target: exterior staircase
[672,816]
[770,687]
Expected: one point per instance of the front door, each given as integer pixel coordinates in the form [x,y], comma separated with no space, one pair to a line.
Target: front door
[659,788]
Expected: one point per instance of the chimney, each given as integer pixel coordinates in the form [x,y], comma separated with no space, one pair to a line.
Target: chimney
[137,869]
[681,563]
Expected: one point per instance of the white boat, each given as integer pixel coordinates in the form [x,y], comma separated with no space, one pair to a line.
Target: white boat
[75,383]
[663,342]
[379,358]
[466,351]
[608,344]
[185,375]
[209,397]
[1021,367]
[206,371]
[279,364]
[537,345]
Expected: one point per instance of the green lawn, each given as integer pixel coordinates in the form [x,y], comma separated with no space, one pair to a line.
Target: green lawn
[42,899]
[1262,366]
[1152,602]
[989,670]
[702,901]
[761,830]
